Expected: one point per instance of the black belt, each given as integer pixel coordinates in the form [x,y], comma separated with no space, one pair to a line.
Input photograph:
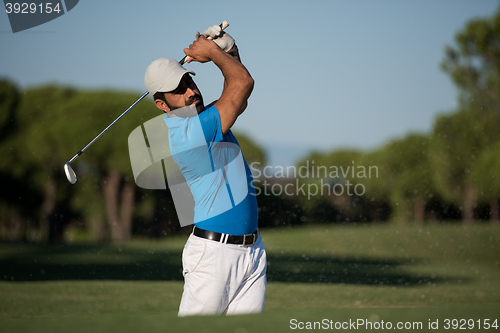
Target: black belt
[244,240]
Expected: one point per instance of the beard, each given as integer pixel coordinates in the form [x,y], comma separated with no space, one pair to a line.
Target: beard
[196,97]
[199,105]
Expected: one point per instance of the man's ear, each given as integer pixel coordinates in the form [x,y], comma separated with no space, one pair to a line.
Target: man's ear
[162,105]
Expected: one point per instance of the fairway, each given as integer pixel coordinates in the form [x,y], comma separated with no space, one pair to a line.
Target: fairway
[373,272]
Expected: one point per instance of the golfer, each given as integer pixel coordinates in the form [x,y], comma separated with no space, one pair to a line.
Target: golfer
[224,260]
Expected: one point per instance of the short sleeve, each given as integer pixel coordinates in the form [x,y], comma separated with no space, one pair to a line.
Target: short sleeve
[210,123]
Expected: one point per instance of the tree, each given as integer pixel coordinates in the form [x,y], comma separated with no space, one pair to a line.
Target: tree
[343,165]
[407,162]
[378,185]
[487,178]
[35,154]
[56,122]
[18,191]
[332,179]
[474,64]
[107,162]
[9,100]
[457,140]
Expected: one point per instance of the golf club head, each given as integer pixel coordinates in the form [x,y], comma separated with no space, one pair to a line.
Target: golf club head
[70,173]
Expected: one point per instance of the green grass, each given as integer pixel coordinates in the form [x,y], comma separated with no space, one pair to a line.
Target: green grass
[377,272]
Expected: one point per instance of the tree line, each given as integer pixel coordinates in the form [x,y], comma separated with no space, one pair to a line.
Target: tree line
[449,173]
[44,127]
[453,172]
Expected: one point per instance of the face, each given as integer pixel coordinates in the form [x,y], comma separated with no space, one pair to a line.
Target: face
[185,94]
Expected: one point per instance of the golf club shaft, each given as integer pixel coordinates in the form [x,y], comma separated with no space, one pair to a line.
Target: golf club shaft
[114,121]
[183,60]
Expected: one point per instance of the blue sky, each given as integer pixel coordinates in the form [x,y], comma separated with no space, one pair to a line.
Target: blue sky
[329,74]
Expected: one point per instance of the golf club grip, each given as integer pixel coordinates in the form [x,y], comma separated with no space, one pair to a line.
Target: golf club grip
[223,26]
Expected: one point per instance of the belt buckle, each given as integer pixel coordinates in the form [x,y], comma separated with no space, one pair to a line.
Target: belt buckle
[245,239]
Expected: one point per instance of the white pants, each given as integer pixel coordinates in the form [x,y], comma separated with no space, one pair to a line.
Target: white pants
[223,278]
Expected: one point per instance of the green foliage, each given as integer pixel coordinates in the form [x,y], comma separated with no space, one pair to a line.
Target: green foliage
[346,162]
[474,66]
[379,184]
[351,169]
[407,163]
[401,154]
[18,192]
[457,140]
[38,144]
[9,98]
[253,152]
[88,113]
[336,166]
[485,173]
[474,63]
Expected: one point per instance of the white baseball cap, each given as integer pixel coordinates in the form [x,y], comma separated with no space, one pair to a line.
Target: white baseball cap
[164,75]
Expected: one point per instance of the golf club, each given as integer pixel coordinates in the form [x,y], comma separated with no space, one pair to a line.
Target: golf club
[68,170]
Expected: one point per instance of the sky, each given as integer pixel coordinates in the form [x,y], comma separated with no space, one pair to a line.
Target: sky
[328,74]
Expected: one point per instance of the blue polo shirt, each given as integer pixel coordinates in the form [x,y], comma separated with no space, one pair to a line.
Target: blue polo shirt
[216,172]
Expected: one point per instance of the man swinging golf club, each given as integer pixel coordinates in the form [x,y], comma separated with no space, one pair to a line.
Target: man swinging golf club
[224,260]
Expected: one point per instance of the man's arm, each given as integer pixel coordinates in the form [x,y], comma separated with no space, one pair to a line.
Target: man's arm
[236,56]
[238,84]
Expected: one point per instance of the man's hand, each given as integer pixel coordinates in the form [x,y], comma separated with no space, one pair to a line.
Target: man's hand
[238,84]
[201,50]
[222,39]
